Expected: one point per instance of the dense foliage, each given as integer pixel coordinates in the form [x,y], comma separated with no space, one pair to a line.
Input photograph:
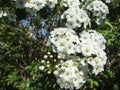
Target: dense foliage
[27,63]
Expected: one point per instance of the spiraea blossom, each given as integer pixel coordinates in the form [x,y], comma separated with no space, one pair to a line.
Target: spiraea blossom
[97,63]
[64,41]
[69,75]
[93,43]
[76,17]
[99,10]
[34,5]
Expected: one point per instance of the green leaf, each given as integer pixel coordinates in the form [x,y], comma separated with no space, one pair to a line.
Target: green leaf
[109,24]
[96,83]
[115,87]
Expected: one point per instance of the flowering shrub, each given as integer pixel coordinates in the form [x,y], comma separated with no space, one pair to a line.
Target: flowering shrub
[54,44]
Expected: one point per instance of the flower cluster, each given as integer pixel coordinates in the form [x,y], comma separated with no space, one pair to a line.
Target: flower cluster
[98,9]
[32,6]
[48,60]
[69,75]
[97,63]
[76,17]
[64,41]
[93,44]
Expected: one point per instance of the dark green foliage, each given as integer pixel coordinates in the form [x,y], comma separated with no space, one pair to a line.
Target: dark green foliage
[19,61]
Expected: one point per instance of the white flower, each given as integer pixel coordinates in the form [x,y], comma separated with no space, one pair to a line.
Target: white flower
[104,59]
[97,61]
[78,48]
[54,40]
[90,60]
[54,33]
[85,36]
[100,53]
[41,68]
[55,72]
[97,69]
[66,75]
[49,72]
[45,56]
[86,50]
[62,54]
[70,48]
[61,45]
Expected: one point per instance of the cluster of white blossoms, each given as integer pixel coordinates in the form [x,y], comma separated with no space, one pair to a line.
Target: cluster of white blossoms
[70,75]
[67,44]
[76,17]
[32,6]
[64,41]
[98,9]
[70,3]
[93,43]
[97,63]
